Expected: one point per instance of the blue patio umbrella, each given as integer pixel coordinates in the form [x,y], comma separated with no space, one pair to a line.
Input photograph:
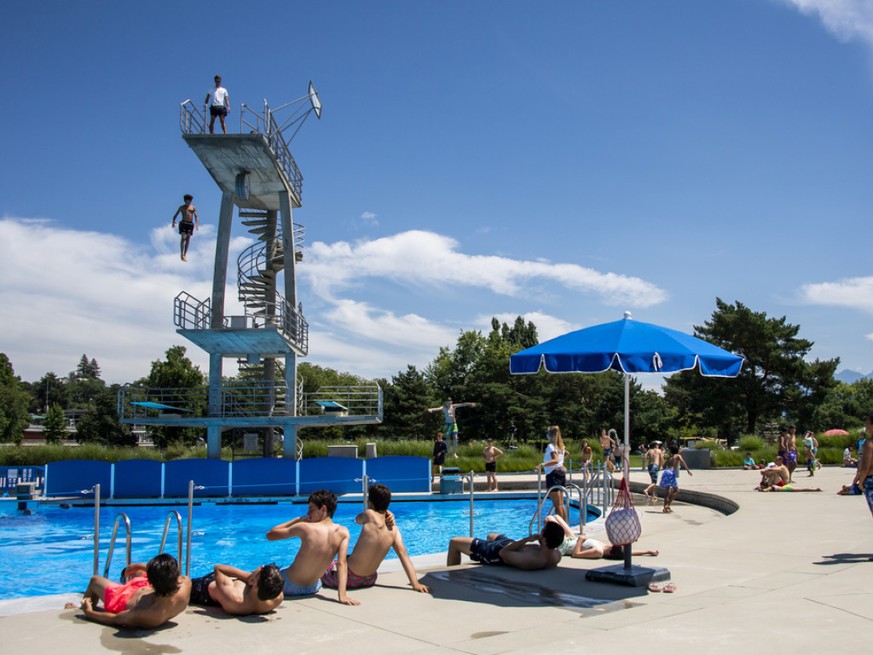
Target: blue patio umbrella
[629,347]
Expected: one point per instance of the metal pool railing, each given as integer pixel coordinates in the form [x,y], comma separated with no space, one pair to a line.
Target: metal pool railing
[128,532]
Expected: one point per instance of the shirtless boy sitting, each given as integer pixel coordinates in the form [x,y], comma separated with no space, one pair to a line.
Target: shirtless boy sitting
[538,551]
[239,592]
[774,476]
[379,534]
[142,601]
[320,541]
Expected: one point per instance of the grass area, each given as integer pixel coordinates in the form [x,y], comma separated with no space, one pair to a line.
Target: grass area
[520,459]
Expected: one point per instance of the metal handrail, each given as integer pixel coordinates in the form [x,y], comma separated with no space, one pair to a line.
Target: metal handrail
[469,477]
[118,518]
[583,504]
[173,514]
[191,120]
[189,313]
[366,400]
[266,125]
[542,501]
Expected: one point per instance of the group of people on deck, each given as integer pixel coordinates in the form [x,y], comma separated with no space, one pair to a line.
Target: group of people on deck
[151,594]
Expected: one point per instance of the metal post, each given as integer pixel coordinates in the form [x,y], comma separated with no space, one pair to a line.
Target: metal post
[96,528]
[190,517]
[365,487]
[471,503]
[539,500]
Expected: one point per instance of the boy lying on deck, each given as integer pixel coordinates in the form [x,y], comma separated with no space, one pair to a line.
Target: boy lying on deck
[239,592]
[151,595]
[538,551]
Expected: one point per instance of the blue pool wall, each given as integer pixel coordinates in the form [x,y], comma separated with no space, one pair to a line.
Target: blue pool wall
[143,479]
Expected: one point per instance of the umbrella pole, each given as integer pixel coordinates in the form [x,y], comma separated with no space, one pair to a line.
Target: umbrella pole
[625,460]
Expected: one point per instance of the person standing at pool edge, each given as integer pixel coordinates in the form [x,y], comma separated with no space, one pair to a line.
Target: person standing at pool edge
[321,540]
[491,454]
[440,450]
[450,423]
[553,465]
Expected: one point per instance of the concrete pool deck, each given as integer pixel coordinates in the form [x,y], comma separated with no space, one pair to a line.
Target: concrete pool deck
[784,571]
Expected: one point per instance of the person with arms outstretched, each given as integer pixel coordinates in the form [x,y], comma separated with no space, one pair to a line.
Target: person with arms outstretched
[450,423]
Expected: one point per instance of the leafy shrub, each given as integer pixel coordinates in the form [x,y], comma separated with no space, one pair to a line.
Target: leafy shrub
[727,458]
[750,443]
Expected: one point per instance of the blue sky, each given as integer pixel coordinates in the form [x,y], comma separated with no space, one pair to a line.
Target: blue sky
[563,161]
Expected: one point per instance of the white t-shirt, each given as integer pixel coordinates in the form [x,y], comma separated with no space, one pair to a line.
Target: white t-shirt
[219,96]
[550,455]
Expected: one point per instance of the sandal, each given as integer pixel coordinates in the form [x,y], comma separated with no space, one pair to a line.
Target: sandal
[669,588]
[654,588]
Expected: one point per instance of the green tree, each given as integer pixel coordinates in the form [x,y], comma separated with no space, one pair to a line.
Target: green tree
[404,401]
[55,424]
[14,400]
[178,372]
[100,423]
[767,387]
[88,369]
[49,389]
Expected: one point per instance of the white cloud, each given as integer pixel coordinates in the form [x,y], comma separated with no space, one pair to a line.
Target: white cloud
[419,258]
[845,19]
[854,293]
[66,292]
[369,219]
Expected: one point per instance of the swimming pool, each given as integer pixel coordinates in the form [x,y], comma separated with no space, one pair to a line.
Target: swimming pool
[52,550]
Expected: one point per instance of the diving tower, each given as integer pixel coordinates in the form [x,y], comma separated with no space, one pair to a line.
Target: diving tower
[259,181]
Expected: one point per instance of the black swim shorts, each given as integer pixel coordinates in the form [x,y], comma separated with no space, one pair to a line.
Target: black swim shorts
[555,478]
[200,591]
[186,227]
[488,552]
[491,467]
[217,110]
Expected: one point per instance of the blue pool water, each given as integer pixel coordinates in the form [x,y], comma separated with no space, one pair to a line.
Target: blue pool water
[52,550]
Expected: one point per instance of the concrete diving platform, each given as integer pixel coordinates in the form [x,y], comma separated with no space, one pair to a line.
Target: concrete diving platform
[227,155]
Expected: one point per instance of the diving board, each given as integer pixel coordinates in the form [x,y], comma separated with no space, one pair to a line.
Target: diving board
[170,409]
[332,407]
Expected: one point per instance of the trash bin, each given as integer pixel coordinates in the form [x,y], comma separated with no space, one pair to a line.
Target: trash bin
[450,481]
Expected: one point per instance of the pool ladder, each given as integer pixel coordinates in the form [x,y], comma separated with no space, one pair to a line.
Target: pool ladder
[566,488]
[123,519]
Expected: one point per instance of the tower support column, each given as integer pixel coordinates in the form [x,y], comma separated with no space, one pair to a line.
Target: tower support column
[213,431]
[222,248]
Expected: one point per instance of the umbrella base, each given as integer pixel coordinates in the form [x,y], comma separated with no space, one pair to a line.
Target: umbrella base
[635,576]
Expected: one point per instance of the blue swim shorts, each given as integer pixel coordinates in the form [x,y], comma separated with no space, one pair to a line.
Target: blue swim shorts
[293,589]
[868,491]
